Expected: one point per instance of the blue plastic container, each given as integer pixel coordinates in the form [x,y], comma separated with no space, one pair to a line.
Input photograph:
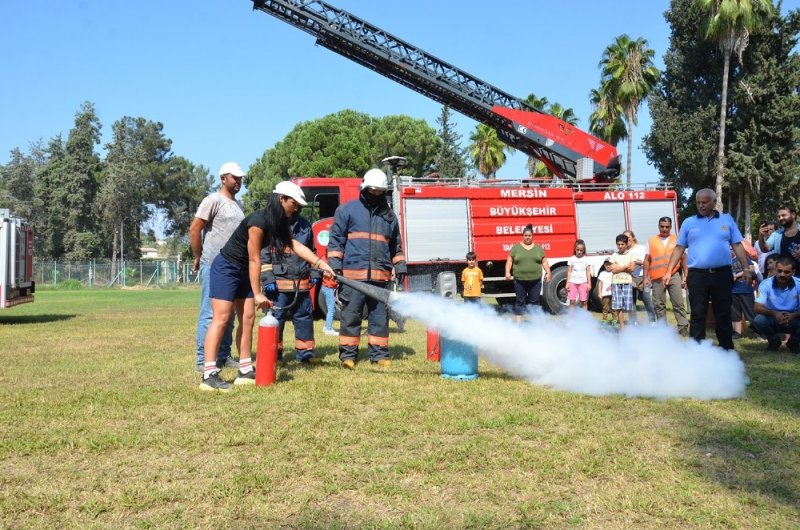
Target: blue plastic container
[458,360]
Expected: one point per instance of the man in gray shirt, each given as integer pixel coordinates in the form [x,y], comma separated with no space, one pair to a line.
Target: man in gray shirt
[217,217]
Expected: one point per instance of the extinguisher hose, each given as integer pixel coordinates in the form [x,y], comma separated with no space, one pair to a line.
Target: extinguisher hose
[295,293]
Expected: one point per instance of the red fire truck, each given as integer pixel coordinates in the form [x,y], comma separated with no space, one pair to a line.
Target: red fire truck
[16,260]
[441,222]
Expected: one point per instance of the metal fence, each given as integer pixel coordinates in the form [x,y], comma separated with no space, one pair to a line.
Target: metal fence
[100,274]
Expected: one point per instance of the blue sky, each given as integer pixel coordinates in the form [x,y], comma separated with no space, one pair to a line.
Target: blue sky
[228,82]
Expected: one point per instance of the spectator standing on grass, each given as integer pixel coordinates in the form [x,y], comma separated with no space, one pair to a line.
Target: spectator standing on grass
[365,245]
[286,280]
[709,237]
[526,264]
[579,274]
[778,307]
[329,286]
[604,288]
[217,217]
[786,240]
[742,296]
[472,279]
[622,262]
[236,278]
[657,253]
[639,286]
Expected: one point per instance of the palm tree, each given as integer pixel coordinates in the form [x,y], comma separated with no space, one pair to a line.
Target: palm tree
[487,150]
[536,102]
[606,120]
[729,23]
[628,75]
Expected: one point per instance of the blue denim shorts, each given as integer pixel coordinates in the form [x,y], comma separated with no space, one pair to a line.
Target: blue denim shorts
[228,281]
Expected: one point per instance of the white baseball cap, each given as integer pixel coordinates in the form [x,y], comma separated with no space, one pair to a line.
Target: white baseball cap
[290,189]
[231,168]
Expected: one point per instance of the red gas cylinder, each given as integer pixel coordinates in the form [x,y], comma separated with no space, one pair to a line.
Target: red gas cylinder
[434,349]
[267,360]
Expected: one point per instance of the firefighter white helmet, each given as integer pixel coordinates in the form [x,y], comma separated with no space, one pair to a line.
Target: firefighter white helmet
[375,178]
[290,189]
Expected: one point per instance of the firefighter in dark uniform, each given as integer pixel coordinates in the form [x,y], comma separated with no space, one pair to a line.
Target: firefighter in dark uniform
[365,245]
[284,276]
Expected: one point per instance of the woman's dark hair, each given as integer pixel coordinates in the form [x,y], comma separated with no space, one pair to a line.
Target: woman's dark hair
[579,242]
[278,234]
[528,228]
[770,258]
[622,238]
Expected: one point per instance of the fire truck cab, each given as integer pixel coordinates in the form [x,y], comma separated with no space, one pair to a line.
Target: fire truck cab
[441,221]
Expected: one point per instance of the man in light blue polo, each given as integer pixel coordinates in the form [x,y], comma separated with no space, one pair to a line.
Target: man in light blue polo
[709,237]
[777,307]
[785,241]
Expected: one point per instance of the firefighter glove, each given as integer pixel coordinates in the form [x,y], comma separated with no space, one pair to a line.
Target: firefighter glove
[400,272]
[267,277]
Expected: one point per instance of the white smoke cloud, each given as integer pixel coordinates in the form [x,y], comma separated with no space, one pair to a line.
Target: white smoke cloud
[576,353]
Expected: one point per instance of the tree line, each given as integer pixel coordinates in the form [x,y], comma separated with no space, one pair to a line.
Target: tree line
[84,206]
[725,114]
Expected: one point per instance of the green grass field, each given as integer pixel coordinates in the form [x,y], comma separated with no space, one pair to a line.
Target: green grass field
[103,426]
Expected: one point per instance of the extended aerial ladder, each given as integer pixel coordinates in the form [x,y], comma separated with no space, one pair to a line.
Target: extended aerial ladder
[563,148]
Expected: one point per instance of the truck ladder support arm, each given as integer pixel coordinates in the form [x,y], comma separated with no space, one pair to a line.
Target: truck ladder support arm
[558,144]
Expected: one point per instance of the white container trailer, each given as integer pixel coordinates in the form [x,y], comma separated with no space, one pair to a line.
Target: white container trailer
[16,260]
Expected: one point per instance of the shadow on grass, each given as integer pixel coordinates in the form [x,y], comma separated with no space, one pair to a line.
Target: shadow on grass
[746,455]
[33,319]
[774,381]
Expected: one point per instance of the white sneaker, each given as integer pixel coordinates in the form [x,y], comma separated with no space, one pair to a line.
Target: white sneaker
[330,331]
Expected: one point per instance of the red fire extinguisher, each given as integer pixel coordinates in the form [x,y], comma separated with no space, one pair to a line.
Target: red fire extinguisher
[267,361]
[434,346]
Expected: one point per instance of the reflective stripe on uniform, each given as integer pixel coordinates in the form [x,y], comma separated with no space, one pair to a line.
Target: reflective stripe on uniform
[304,344]
[346,340]
[377,341]
[288,285]
[397,259]
[364,274]
[368,235]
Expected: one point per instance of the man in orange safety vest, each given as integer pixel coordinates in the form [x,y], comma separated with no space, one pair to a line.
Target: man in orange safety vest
[659,249]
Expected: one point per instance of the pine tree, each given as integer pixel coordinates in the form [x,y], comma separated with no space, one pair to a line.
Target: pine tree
[450,161]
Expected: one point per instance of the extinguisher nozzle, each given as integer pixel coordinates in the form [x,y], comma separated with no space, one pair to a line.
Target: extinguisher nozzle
[373,291]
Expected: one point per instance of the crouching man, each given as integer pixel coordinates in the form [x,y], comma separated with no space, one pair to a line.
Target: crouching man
[777,307]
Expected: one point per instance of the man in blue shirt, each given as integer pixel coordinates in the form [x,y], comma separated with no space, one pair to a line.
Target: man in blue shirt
[778,307]
[709,236]
[786,240]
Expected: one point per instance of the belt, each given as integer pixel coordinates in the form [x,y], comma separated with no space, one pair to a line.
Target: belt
[710,270]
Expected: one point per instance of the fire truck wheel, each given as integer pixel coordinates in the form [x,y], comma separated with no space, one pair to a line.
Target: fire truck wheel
[555,291]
